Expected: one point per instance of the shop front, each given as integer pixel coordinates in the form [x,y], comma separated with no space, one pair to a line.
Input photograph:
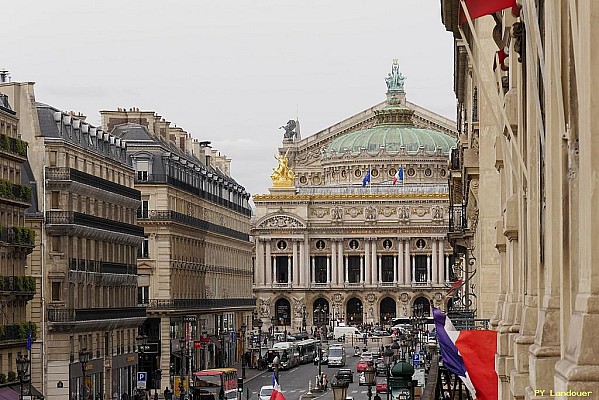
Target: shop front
[88,385]
[124,369]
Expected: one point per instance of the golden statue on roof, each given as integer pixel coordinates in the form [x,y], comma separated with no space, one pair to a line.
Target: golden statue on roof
[282,175]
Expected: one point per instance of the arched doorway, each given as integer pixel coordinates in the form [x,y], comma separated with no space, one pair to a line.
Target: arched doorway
[387,311]
[421,307]
[320,311]
[354,312]
[282,313]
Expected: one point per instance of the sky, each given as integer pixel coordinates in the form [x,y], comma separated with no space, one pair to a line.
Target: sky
[230,71]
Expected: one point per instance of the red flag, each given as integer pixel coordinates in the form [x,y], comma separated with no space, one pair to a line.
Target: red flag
[478,349]
[454,286]
[479,8]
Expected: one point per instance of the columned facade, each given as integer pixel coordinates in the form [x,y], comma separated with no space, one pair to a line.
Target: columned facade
[367,249]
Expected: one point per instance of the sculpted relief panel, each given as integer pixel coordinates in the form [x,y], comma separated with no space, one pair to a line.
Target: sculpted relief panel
[281,221]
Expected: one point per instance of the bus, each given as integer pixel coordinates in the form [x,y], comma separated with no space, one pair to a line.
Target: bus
[288,355]
[307,350]
[215,384]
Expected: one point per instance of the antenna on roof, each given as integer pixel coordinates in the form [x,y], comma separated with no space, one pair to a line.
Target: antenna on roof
[4,76]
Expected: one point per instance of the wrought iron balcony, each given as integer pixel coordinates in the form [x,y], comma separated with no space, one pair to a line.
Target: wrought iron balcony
[25,284]
[200,303]
[94,314]
[14,146]
[455,160]
[167,215]
[91,221]
[17,235]
[15,191]
[17,332]
[70,174]
[457,218]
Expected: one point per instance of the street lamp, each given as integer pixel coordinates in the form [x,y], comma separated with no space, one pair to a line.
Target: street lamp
[396,348]
[260,323]
[243,328]
[141,347]
[340,390]
[22,367]
[276,362]
[369,379]
[182,345]
[84,356]
[387,357]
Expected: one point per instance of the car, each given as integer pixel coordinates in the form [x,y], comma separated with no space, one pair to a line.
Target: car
[363,364]
[345,375]
[381,385]
[265,392]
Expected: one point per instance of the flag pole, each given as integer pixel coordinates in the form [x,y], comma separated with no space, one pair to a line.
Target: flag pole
[369,180]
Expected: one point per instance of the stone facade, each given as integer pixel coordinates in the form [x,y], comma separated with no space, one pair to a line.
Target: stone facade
[17,286]
[330,250]
[84,214]
[195,264]
[542,117]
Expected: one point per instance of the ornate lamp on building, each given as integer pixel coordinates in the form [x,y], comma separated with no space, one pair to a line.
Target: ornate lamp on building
[22,367]
[84,357]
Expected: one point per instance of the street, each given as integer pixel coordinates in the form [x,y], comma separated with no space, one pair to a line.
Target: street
[294,382]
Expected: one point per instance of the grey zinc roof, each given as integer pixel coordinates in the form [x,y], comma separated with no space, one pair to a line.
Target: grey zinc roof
[132,132]
[45,114]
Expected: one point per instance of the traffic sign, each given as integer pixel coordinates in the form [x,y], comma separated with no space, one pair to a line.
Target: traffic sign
[416,359]
[142,379]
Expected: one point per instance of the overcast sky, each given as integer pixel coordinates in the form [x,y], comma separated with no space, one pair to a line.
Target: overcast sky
[231,72]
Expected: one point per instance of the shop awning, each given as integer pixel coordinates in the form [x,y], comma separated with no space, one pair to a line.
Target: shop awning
[7,393]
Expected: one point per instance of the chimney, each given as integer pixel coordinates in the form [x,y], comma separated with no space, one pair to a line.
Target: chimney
[205,149]
[4,76]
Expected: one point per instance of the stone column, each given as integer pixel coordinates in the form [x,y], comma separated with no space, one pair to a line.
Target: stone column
[413,268]
[346,270]
[340,263]
[302,264]
[259,262]
[295,266]
[441,261]
[428,268]
[289,270]
[328,269]
[400,263]
[361,268]
[435,277]
[334,269]
[313,269]
[306,265]
[408,265]
[380,269]
[394,270]
[368,271]
[373,264]
[269,279]
[274,269]
[447,266]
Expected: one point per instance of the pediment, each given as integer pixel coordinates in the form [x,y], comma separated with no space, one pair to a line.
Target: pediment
[281,221]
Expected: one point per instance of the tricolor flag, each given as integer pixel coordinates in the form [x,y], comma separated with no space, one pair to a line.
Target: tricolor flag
[470,355]
[29,340]
[479,8]
[366,178]
[277,393]
[454,286]
[398,176]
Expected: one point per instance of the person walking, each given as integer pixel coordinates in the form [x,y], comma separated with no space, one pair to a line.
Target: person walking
[168,395]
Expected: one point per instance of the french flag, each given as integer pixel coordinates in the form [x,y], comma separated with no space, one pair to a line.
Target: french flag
[398,176]
[277,393]
[470,355]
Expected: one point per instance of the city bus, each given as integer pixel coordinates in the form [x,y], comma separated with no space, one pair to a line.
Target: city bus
[215,384]
[288,355]
[307,350]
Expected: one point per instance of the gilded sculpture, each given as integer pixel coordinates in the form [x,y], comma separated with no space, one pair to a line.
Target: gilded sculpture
[282,175]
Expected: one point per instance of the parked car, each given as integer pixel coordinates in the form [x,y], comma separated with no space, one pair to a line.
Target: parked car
[265,392]
[345,375]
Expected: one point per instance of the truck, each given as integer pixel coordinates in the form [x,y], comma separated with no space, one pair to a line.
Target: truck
[346,331]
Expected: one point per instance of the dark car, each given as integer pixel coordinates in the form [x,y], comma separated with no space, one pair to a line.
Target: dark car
[345,375]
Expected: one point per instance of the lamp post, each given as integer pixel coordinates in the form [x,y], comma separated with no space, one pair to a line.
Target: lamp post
[84,356]
[275,364]
[369,379]
[388,357]
[260,323]
[340,390]
[141,348]
[22,367]
[243,328]
[396,348]
[182,343]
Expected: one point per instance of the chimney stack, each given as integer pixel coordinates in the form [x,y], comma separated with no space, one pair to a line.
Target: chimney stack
[4,76]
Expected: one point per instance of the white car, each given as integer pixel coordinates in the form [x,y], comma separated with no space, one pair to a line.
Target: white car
[265,392]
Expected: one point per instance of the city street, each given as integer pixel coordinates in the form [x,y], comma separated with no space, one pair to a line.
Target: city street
[295,381]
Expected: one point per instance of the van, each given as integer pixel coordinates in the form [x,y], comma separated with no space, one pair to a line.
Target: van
[340,331]
[336,355]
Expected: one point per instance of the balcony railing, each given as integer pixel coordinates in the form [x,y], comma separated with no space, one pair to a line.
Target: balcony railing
[17,235]
[167,215]
[64,173]
[101,266]
[457,218]
[17,331]
[15,191]
[455,160]
[200,303]
[77,218]
[94,314]
[169,180]
[13,145]
[17,284]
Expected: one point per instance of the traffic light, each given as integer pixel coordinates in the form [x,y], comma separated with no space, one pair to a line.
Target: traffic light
[240,385]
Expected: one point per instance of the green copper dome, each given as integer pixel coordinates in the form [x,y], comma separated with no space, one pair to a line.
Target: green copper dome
[391,137]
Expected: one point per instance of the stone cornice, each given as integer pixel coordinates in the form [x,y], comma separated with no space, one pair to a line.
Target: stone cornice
[312,197]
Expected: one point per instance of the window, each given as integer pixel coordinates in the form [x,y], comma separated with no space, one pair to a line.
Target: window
[142,169]
[144,249]
[282,269]
[142,212]
[320,269]
[143,294]
[353,265]
[54,197]
[55,291]
[52,158]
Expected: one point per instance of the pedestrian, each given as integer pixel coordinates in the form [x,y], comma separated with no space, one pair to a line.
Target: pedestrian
[168,395]
[125,396]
